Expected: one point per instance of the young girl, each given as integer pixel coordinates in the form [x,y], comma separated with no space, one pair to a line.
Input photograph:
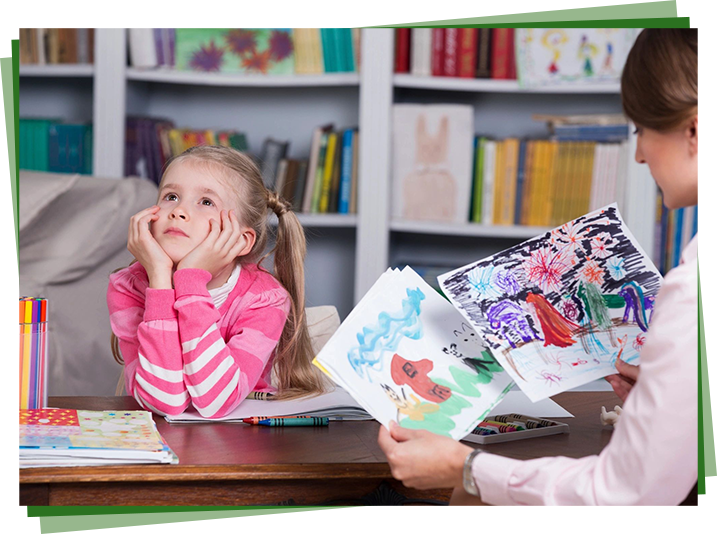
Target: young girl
[198,321]
[641,464]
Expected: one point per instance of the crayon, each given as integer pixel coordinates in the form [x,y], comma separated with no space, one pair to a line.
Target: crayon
[514,417]
[480,431]
[255,420]
[309,421]
[519,425]
[501,427]
[260,395]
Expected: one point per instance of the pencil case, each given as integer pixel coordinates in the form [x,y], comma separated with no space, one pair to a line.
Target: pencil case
[554,427]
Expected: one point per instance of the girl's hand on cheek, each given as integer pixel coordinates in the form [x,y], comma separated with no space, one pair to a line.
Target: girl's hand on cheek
[219,249]
[146,250]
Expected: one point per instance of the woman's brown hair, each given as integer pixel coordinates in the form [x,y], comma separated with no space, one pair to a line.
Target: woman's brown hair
[659,80]
[293,371]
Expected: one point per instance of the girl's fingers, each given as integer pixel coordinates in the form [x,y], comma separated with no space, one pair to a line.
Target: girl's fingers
[226,232]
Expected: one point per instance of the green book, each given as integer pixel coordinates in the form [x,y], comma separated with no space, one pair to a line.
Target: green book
[319,180]
[478,182]
[328,49]
[87,148]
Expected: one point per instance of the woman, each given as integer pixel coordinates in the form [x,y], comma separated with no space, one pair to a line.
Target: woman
[639,465]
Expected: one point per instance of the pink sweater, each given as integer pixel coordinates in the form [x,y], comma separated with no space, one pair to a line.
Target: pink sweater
[180,350]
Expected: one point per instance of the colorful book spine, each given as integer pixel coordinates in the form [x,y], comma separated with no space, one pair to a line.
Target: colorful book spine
[483,53]
[438,36]
[33,353]
[519,183]
[346,171]
[467,50]
[328,173]
[477,213]
[450,58]
[403,48]
[500,54]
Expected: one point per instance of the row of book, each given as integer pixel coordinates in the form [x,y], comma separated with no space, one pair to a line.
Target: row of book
[456,52]
[41,46]
[52,146]
[151,142]
[247,50]
[539,182]
[326,182]
[673,231]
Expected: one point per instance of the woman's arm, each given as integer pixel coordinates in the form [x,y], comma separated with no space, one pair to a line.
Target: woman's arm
[220,375]
[652,456]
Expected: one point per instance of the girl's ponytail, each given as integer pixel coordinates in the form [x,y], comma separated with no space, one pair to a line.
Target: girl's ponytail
[295,374]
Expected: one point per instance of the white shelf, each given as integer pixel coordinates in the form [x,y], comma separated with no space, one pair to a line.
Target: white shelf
[58,71]
[467,229]
[442,83]
[243,80]
[323,220]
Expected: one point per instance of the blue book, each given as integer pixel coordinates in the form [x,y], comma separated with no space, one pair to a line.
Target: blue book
[694,223]
[520,181]
[347,154]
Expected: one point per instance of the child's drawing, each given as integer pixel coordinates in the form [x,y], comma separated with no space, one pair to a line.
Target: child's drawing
[432,162]
[584,297]
[550,56]
[407,355]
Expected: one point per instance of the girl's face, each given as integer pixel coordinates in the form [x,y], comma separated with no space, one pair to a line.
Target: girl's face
[672,158]
[190,196]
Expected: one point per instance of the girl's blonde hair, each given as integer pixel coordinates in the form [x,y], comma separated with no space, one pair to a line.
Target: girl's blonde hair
[293,371]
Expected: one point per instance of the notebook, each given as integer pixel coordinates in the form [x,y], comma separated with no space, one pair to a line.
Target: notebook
[336,405]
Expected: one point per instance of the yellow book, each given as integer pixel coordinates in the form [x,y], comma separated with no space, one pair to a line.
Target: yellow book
[317,53]
[210,138]
[588,176]
[528,182]
[556,179]
[498,181]
[550,170]
[538,183]
[301,52]
[328,172]
[512,147]
[175,141]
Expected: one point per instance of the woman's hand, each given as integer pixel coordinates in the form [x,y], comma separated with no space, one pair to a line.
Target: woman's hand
[220,248]
[623,382]
[421,459]
[146,250]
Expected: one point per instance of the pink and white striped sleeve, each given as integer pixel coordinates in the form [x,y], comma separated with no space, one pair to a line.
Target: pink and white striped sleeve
[220,375]
[146,326]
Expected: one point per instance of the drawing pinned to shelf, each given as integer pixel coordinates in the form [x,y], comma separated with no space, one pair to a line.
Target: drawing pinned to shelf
[405,354]
[574,312]
[432,161]
[246,50]
[550,56]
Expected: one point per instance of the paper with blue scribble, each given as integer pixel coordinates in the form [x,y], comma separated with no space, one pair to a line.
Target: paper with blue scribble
[405,354]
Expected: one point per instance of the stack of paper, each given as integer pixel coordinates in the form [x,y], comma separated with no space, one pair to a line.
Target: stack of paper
[336,405]
[60,437]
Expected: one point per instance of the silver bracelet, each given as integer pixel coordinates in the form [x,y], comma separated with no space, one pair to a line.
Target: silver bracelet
[469,483]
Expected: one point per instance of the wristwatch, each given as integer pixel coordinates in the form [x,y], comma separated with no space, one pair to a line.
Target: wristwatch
[468,483]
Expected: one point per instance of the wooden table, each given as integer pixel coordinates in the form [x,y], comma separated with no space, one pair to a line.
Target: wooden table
[233,464]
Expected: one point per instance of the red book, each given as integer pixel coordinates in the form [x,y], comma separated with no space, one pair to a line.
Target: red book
[500,53]
[467,52]
[450,49]
[437,51]
[403,49]
[512,74]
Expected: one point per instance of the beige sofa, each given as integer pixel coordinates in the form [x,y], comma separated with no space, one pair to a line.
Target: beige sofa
[73,234]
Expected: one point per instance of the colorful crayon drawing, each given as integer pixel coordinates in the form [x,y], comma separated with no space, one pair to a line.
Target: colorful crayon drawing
[585,298]
[570,56]
[405,354]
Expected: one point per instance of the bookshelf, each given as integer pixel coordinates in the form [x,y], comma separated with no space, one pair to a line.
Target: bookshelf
[346,254]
